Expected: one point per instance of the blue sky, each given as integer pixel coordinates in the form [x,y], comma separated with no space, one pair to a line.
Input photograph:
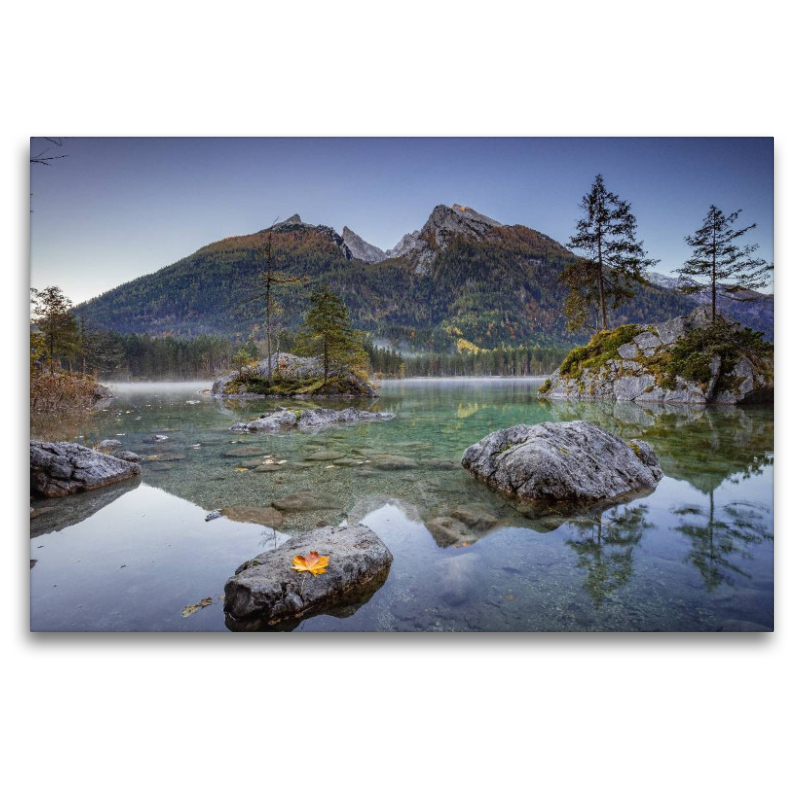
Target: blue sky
[119,208]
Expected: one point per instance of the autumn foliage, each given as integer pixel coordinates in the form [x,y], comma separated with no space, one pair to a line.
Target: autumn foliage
[313,563]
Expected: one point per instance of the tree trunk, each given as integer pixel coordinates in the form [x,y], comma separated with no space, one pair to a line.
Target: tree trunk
[600,281]
[714,276]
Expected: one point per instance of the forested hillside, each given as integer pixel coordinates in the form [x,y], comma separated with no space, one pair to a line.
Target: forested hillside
[499,288]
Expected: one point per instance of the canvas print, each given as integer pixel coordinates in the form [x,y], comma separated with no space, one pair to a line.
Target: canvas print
[401,384]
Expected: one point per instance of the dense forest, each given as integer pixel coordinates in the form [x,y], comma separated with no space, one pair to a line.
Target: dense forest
[132,357]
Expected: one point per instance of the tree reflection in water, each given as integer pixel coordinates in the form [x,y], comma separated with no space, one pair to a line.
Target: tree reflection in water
[724,535]
[605,546]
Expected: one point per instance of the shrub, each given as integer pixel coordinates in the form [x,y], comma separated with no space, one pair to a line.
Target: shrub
[61,391]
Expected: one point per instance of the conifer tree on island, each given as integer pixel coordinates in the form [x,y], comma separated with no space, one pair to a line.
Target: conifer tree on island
[614,262]
[327,332]
[718,257]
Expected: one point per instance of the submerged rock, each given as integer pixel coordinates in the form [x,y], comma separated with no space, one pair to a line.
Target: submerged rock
[107,445]
[284,420]
[305,501]
[271,423]
[127,455]
[267,586]
[268,516]
[563,462]
[162,457]
[324,455]
[475,516]
[438,464]
[393,463]
[246,451]
[447,531]
[62,468]
[316,417]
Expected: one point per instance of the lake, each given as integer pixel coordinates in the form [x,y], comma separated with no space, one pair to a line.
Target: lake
[695,555]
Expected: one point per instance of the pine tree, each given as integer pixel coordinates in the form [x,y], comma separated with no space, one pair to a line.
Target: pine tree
[327,331]
[615,263]
[718,257]
[55,324]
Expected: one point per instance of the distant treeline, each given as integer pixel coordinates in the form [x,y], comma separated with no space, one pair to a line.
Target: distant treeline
[501,361]
[115,356]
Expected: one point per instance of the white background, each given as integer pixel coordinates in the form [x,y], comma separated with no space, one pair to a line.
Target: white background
[639,716]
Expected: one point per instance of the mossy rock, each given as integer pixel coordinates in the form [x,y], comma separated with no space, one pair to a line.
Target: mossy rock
[601,347]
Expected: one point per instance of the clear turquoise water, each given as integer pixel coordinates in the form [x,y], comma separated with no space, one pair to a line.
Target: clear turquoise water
[695,555]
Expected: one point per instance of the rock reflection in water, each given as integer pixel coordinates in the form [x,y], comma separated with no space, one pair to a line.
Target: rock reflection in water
[55,515]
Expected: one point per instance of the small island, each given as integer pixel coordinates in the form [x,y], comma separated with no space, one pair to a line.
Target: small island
[331,363]
[287,375]
[690,359]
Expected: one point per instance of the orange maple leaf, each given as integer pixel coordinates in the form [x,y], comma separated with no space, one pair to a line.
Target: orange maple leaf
[313,563]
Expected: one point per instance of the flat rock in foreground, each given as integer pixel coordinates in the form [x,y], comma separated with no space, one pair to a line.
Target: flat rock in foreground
[62,468]
[268,587]
[563,462]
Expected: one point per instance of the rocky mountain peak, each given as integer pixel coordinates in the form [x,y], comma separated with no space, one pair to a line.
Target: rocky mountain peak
[444,223]
[361,249]
[294,224]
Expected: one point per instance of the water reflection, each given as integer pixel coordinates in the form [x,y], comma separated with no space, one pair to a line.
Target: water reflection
[54,515]
[133,560]
[605,546]
[699,444]
[721,537]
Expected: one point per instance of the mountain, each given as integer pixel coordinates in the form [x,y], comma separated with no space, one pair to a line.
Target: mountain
[360,249]
[295,225]
[462,279]
[754,309]
[443,226]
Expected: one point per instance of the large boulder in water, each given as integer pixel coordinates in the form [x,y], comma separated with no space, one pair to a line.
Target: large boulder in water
[62,468]
[268,587]
[293,376]
[563,462]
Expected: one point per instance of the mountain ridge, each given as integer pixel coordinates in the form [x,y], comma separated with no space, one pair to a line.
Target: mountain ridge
[462,277]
